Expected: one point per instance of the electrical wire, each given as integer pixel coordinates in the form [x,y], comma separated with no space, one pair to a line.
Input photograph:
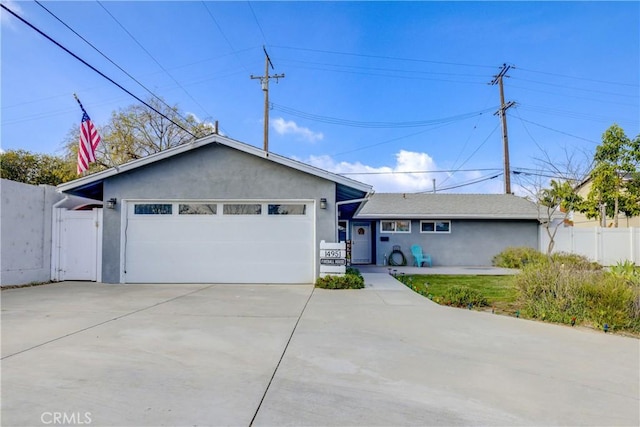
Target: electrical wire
[109,59]
[33,27]
[154,59]
[576,88]
[384,57]
[418,172]
[573,96]
[559,131]
[465,184]
[224,36]
[393,70]
[578,78]
[255,18]
[375,125]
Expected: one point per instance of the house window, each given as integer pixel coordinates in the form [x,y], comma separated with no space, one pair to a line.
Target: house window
[153,209]
[395,226]
[242,209]
[435,226]
[288,209]
[197,209]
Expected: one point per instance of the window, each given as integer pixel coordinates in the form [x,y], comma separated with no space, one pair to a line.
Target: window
[242,209]
[287,209]
[197,209]
[153,209]
[396,226]
[435,226]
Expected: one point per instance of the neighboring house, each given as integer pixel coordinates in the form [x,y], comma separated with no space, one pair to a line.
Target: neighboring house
[216,211]
[455,229]
[581,220]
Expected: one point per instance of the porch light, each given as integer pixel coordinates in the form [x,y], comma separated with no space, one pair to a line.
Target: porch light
[323,203]
[111,203]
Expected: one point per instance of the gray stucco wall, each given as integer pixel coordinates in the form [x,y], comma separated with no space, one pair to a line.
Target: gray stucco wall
[25,212]
[211,172]
[470,243]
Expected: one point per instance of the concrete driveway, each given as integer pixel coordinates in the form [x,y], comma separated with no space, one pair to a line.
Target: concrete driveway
[272,355]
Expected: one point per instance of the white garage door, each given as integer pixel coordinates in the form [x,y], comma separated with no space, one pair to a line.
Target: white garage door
[220,242]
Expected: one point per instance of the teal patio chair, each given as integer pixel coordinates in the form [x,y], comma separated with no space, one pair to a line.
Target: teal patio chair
[420,257]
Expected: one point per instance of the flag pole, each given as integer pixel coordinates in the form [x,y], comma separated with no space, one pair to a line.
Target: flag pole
[79,103]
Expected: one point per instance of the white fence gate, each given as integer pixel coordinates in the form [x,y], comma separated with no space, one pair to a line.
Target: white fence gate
[607,246]
[76,245]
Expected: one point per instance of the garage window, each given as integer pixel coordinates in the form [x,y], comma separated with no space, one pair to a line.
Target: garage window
[287,209]
[197,209]
[242,209]
[153,209]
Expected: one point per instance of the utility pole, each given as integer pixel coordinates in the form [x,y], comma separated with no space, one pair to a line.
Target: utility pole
[502,112]
[264,80]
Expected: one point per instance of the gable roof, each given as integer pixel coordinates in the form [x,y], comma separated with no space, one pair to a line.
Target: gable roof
[91,185]
[447,206]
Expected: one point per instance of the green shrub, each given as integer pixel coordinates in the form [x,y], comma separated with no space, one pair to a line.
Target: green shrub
[561,292]
[517,257]
[462,296]
[626,269]
[348,281]
[575,261]
[354,271]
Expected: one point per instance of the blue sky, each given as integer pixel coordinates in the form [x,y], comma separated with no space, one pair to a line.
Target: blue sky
[372,87]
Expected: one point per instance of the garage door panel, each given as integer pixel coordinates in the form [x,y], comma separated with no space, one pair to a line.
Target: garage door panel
[220,248]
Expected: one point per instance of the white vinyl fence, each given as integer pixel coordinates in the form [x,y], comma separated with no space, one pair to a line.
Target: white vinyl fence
[607,246]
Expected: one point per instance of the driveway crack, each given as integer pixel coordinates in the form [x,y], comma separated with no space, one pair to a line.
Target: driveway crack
[275,371]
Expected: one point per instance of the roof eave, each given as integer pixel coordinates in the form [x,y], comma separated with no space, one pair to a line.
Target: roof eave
[80,182]
[444,216]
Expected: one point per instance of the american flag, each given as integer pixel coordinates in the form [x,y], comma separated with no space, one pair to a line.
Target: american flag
[89,140]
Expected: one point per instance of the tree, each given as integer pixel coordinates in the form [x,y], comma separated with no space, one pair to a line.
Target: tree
[557,202]
[32,168]
[137,131]
[614,178]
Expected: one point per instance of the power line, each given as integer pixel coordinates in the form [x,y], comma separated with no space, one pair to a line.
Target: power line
[573,96]
[154,59]
[559,131]
[578,78]
[224,36]
[391,75]
[578,88]
[465,184]
[419,172]
[255,18]
[33,27]
[383,57]
[108,59]
[377,124]
[394,70]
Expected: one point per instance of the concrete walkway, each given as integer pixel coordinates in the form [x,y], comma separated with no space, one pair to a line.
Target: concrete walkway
[272,355]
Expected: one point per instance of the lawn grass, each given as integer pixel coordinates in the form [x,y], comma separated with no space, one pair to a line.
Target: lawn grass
[500,291]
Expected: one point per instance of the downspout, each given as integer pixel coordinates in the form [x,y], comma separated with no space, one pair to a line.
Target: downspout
[55,239]
[346,202]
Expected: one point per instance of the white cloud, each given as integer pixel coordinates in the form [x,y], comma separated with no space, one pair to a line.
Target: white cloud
[284,127]
[398,178]
[7,19]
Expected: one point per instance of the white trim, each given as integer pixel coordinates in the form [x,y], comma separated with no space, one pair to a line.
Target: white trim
[98,212]
[206,141]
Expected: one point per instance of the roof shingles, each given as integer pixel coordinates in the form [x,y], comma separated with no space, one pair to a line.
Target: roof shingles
[448,206]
